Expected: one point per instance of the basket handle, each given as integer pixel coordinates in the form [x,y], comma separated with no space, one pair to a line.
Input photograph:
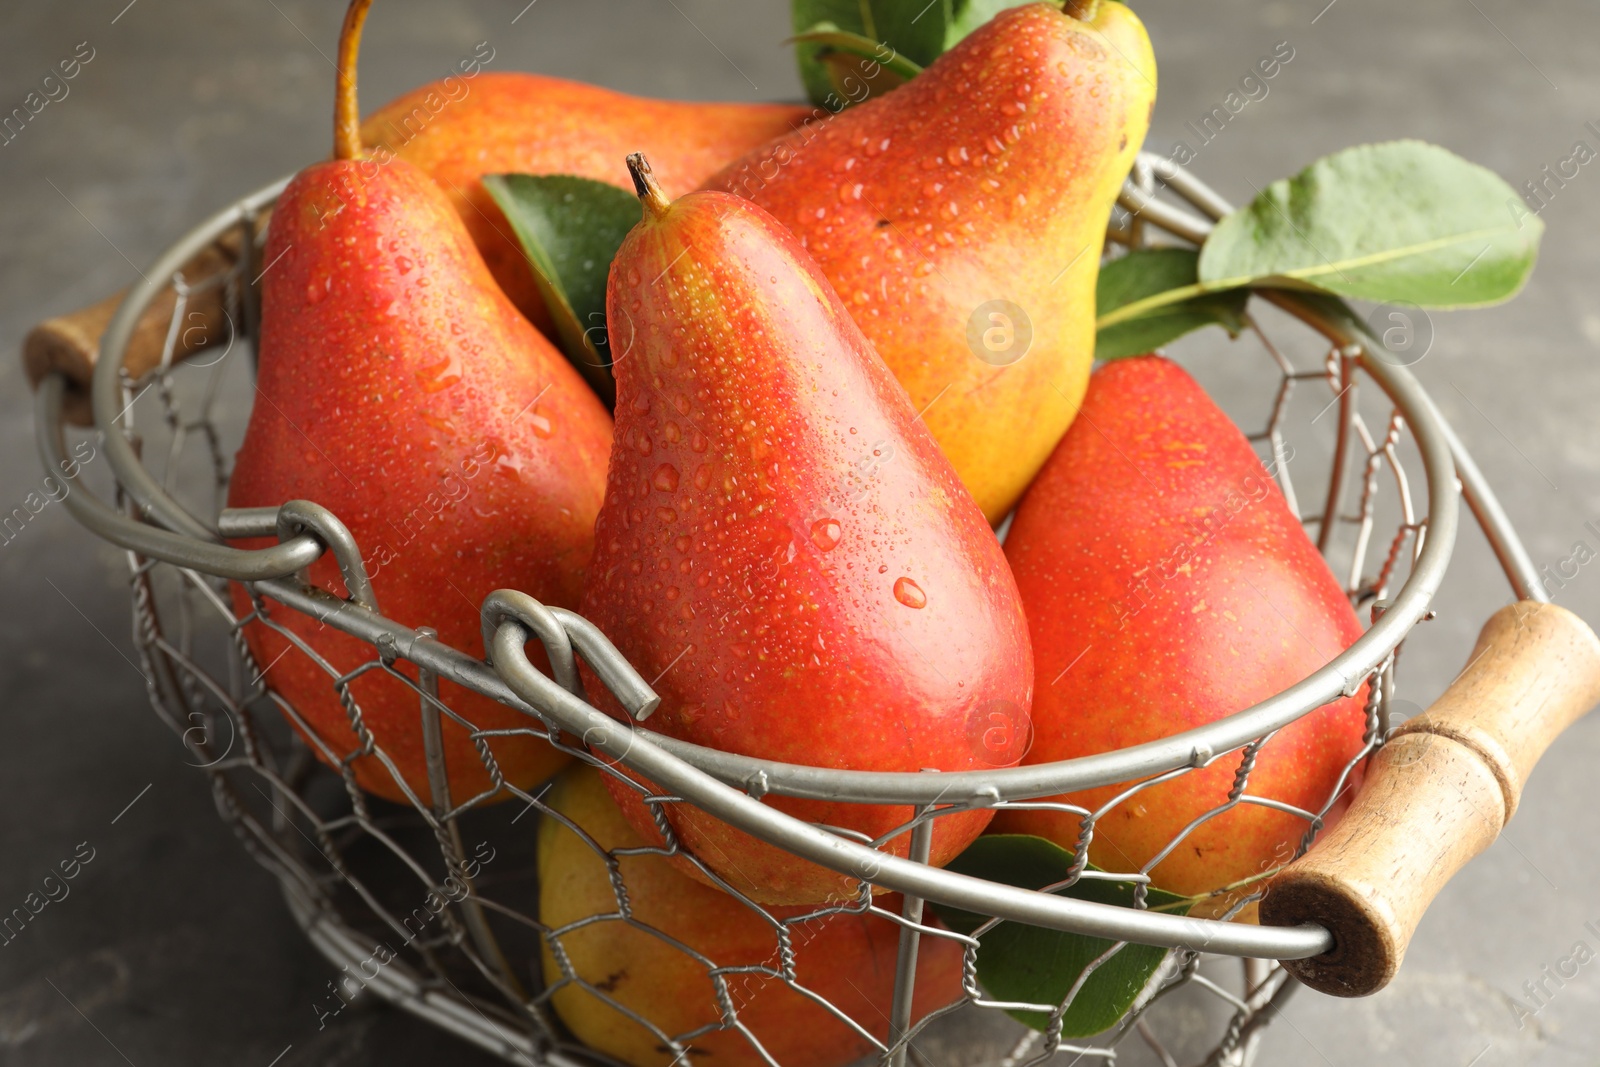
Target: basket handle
[1436,794]
[70,343]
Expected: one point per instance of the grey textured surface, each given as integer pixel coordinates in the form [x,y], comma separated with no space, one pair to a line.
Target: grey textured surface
[174,948]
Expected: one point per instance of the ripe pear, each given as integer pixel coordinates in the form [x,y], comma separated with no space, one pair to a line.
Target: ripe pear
[848,958]
[1167,585]
[961,219]
[398,387]
[458,129]
[783,551]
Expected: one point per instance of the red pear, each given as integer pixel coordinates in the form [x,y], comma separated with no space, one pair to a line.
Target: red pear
[1167,584]
[783,551]
[399,388]
[461,128]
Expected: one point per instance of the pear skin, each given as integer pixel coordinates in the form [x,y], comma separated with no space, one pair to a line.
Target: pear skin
[398,387]
[961,219]
[1167,585]
[459,129]
[848,958]
[783,551]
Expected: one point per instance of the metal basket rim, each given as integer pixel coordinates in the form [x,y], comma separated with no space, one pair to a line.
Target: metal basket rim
[186,541]
[1340,676]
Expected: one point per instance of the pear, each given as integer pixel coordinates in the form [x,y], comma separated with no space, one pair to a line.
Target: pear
[398,387]
[783,551]
[847,958]
[460,128]
[1167,585]
[961,219]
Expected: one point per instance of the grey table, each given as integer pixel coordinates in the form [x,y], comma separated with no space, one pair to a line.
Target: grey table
[173,948]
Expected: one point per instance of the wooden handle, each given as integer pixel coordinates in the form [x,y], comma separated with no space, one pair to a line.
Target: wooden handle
[71,343]
[1436,795]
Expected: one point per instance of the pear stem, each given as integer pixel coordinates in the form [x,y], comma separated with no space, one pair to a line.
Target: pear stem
[645,184]
[1082,10]
[346,111]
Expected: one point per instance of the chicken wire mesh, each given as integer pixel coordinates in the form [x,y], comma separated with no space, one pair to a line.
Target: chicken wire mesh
[431,904]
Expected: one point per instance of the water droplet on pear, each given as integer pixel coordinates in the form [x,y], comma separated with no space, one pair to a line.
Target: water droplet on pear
[825,534]
[909,593]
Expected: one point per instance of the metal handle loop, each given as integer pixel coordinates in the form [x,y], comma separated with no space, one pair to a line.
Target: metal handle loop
[222,561]
[152,499]
[504,604]
[298,518]
[625,683]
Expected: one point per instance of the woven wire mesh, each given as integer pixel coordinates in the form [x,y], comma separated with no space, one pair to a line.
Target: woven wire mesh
[433,906]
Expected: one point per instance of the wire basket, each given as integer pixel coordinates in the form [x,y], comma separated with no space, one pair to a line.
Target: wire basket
[352,869]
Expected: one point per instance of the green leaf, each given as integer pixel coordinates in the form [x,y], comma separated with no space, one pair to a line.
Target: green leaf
[571,229]
[1402,221]
[856,46]
[1142,273]
[898,36]
[807,15]
[842,44]
[1034,965]
[856,79]
[1145,274]
[915,29]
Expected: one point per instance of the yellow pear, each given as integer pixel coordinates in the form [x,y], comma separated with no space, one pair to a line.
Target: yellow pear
[961,218]
[652,965]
